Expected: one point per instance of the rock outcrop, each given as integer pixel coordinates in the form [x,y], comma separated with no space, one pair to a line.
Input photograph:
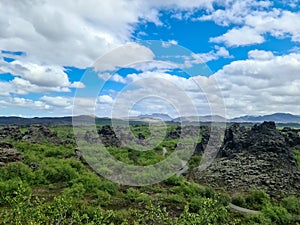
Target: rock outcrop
[34,134]
[108,136]
[41,133]
[10,132]
[255,158]
[8,154]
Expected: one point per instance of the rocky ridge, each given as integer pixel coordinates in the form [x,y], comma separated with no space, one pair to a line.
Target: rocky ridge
[255,158]
[34,134]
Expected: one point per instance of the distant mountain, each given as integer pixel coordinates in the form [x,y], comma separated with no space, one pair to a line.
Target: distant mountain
[277,117]
[12,120]
[67,120]
[208,118]
[152,117]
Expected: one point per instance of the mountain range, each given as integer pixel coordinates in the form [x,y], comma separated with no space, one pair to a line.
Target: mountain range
[276,117]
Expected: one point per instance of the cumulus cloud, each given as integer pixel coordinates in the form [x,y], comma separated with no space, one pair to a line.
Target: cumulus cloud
[124,56]
[219,52]
[67,34]
[240,37]
[260,55]
[155,91]
[262,84]
[253,20]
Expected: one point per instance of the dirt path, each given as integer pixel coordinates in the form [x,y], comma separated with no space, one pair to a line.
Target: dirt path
[243,210]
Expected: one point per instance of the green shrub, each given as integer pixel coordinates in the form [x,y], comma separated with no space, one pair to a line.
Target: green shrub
[178,199]
[292,204]
[239,201]
[132,194]
[89,180]
[101,198]
[277,215]
[257,199]
[204,211]
[175,181]
[109,186]
[75,191]
[11,189]
[57,170]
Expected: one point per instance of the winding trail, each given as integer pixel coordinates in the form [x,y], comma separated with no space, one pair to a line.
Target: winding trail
[243,210]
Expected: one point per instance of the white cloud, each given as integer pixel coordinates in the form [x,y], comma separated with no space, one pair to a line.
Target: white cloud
[77,84]
[262,84]
[105,99]
[33,78]
[15,102]
[58,101]
[239,37]
[219,52]
[63,33]
[124,56]
[162,92]
[22,87]
[253,20]
[260,55]
[167,44]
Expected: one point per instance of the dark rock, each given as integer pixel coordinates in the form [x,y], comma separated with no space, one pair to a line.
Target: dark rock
[200,146]
[260,138]
[9,154]
[108,136]
[291,136]
[34,165]
[175,134]
[254,158]
[40,134]
[141,136]
[10,132]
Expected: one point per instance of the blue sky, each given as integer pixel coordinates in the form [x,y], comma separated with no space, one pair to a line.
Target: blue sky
[233,58]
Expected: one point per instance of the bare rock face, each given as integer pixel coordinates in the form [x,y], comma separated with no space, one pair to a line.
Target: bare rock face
[260,138]
[254,158]
[8,154]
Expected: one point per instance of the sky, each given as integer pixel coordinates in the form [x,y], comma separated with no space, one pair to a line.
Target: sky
[132,57]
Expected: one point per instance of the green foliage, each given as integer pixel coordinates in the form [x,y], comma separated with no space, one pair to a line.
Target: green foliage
[63,190]
[175,181]
[12,189]
[89,180]
[109,187]
[153,214]
[193,189]
[101,198]
[277,214]
[239,201]
[257,199]
[296,154]
[292,204]
[132,194]
[75,191]
[178,199]
[194,161]
[209,211]
[56,170]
